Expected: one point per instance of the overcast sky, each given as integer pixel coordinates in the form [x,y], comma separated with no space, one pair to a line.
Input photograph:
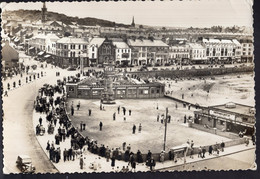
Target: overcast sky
[186,13]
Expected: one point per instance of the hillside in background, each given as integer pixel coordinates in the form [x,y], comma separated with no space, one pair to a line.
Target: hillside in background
[35,15]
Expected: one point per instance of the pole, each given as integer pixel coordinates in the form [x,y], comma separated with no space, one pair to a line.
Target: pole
[166,117]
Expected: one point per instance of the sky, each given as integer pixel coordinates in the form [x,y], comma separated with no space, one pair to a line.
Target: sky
[176,13]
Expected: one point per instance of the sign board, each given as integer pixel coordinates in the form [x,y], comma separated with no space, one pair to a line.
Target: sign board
[222,115]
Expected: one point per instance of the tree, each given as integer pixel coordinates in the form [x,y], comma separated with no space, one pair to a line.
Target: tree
[141,26]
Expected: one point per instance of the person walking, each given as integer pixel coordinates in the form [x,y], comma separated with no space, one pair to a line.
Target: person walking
[124,144]
[124,110]
[40,120]
[48,145]
[113,160]
[118,109]
[152,164]
[203,152]
[140,128]
[100,126]
[134,128]
[81,162]
[199,152]
[114,116]
[222,146]
[78,105]
[130,112]
[72,110]
[89,112]
[210,150]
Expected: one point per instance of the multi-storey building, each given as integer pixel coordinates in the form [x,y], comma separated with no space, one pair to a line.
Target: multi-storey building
[122,52]
[179,54]
[106,52]
[220,50]
[247,50]
[38,43]
[51,40]
[94,44]
[148,51]
[70,50]
[197,53]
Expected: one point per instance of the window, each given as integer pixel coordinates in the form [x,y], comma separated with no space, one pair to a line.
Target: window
[244,119]
[71,89]
[146,91]
[93,55]
[93,48]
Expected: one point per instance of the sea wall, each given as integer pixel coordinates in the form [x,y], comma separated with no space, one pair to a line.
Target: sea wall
[168,73]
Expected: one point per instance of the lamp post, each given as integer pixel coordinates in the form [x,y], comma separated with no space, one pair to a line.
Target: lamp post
[165,129]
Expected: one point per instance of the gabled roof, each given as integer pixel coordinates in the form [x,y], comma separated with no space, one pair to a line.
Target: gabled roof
[196,46]
[147,43]
[52,36]
[97,41]
[122,45]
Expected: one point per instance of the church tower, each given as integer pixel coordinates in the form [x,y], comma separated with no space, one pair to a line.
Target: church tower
[133,22]
[44,13]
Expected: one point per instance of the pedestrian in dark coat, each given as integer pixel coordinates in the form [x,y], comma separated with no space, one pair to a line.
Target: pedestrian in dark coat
[100,126]
[114,116]
[210,150]
[113,160]
[152,164]
[81,162]
[118,109]
[130,112]
[203,152]
[133,165]
[48,146]
[222,145]
[72,111]
[89,112]
[40,121]
[134,128]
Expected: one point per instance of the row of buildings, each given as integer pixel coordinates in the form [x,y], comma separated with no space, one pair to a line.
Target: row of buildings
[71,44]
[95,51]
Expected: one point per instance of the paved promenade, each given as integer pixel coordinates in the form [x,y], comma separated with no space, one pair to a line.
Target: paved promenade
[104,166]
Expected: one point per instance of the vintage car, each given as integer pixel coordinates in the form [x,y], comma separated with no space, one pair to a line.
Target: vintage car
[24,163]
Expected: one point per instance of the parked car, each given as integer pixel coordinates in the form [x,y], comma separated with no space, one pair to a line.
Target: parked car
[24,163]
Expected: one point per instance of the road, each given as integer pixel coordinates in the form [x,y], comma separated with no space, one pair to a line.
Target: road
[18,133]
[241,160]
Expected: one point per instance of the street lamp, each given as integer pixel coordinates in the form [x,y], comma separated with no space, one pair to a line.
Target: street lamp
[165,129]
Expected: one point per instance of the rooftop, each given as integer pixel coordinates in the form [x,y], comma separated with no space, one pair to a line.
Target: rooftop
[97,41]
[121,45]
[196,46]
[236,108]
[72,40]
[145,43]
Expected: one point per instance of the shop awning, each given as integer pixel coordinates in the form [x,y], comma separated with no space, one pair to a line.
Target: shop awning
[40,53]
[31,48]
[46,56]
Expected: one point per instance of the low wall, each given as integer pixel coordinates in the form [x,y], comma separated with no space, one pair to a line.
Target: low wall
[192,72]
[215,131]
